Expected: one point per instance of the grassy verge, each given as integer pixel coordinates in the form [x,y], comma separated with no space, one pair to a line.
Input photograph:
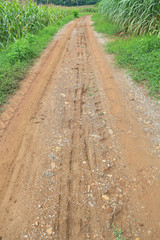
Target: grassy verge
[103,25]
[139,54]
[16,59]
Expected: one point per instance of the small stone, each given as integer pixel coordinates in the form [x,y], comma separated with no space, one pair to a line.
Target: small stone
[49,231]
[36,223]
[120,190]
[53,165]
[105,197]
[158,147]
[84,162]
[95,136]
[137,238]
[141,224]
[108,175]
[63,95]
[104,161]
[91,204]
[57,149]
[110,131]
[51,156]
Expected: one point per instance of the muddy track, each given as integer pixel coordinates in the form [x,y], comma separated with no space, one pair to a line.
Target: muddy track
[74,160]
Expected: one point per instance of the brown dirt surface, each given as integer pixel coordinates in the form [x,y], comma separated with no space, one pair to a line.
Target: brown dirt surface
[74,157]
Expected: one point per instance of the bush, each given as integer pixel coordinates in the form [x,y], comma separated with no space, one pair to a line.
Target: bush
[76,13]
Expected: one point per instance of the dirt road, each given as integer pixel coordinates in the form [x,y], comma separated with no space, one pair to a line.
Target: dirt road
[74,159]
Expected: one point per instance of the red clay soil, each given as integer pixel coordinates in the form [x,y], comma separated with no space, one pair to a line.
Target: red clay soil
[74,160]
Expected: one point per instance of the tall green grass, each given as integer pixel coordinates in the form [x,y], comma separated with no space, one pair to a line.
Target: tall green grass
[135,16]
[16,58]
[25,29]
[17,20]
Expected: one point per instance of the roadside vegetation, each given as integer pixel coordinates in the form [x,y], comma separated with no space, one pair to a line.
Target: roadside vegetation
[142,56]
[69,3]
[25,30]
[103,24]
[87,9]
[135,16]
[17,20]
[135,26]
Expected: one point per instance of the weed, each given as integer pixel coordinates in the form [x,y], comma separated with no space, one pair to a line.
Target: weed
[101,113]
[96,90]
[88,88]
[118,233]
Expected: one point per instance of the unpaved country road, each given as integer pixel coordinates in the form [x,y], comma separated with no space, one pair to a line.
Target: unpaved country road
[74,159]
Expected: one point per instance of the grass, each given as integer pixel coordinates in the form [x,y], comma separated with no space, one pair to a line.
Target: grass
[139,54]
[91,90]
[117,233]
[101,26]
[25,30]
[18,19]
[16,58]
[88,9]
[135,16]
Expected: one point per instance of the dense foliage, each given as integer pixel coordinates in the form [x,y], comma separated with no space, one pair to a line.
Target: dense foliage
[17,20]
[16,58]
[25,29]
[68,2]
[135,16]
